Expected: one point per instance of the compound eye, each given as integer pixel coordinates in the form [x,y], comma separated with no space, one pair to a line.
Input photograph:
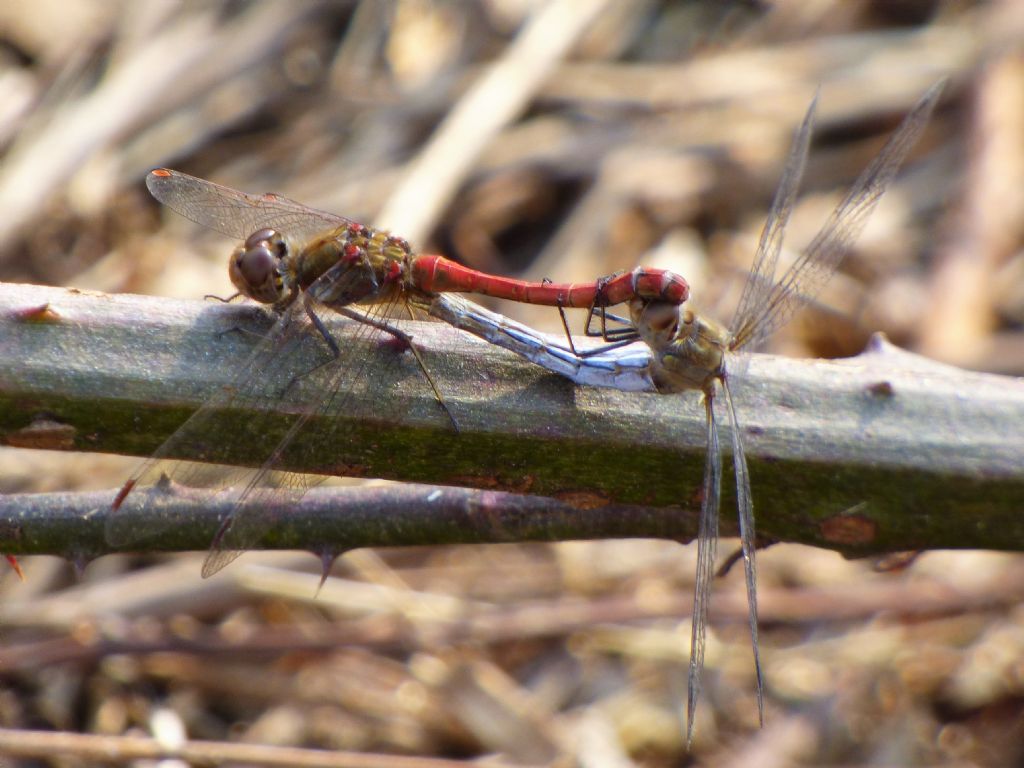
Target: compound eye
[256,265]
[261,236]
[662,318]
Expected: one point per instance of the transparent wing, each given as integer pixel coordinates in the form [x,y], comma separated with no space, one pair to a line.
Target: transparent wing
[268,492]
[235,213]
[748,537]
[762,274]
[707,543]
[295,373]
[290,378]
[255,391]
[262,504]
[809,273]
[285,383]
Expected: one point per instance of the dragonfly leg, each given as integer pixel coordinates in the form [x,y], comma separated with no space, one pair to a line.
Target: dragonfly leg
[605,348]
[307,305]
[625,334]
[399,334]
[565,327]
[737,554]
[616,337]
[259,313]
[600,307]
[221,299]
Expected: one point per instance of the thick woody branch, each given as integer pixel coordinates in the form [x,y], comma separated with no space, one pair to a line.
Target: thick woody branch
[882,452]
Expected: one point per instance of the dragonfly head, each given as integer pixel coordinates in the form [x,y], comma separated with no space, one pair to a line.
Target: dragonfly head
[256,266]
[688,350]
[657,322]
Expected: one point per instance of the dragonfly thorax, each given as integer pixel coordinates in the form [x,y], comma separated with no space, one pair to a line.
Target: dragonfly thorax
[256,267]
[688,350]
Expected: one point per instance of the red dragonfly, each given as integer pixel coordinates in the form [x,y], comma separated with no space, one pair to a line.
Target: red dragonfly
[302,261]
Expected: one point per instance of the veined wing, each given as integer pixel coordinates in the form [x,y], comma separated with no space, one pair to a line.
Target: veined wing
[762,275]
[748,537]
[707,543]
[254,390]
[344,379]
[267,402]
[265,498]
[270,401]
[809,273]
[237,214]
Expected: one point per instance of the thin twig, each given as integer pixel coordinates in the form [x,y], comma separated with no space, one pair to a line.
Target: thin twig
[385,623]
[327,521]
[49,744]
[493,101]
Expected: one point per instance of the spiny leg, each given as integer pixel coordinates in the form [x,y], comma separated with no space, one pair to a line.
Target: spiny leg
[618,336]
[403,337]
[565,327]
[221,299]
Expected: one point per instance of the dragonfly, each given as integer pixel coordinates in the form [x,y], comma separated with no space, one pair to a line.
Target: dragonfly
[301,262]
[690,352]
[685,351]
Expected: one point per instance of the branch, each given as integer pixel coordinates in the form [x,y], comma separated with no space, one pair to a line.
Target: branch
[881,452]
[326,521]
[122,749]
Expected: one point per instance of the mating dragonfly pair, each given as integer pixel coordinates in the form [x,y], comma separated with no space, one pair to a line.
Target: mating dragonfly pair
[302,261]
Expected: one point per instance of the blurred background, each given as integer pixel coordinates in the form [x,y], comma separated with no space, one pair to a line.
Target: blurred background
[564,140]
